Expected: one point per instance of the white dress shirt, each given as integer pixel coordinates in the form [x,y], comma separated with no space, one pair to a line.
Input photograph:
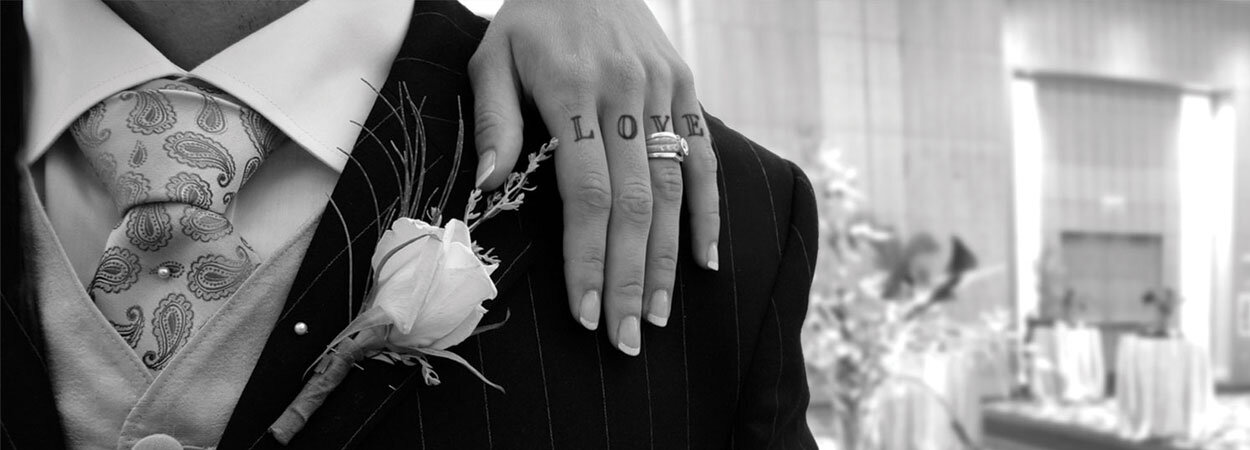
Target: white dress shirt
[306,72]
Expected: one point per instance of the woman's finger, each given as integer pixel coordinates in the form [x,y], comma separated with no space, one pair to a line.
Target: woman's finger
[700,169]
[666,194]
[497,112]
[630,223]
[585,187]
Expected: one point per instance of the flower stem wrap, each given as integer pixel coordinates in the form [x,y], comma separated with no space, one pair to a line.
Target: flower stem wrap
[329,373]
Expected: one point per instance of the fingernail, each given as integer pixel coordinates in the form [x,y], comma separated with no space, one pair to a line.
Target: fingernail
[713,257]
[658,313]
[485,167]
[588,314]
[628,334]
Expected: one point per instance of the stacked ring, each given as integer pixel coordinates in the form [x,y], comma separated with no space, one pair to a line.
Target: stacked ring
[666,145]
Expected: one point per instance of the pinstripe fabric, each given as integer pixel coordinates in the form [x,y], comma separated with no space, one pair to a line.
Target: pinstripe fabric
[727,372]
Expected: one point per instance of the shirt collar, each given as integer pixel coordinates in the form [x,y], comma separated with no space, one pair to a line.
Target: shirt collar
[306,72]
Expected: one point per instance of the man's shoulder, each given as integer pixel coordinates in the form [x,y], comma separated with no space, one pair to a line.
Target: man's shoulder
[765,198]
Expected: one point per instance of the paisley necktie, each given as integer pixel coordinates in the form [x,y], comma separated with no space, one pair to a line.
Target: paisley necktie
[173,154]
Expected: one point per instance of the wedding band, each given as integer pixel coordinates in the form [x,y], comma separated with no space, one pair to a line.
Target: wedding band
[666,145]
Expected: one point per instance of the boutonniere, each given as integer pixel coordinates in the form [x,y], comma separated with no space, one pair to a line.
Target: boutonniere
[429,277]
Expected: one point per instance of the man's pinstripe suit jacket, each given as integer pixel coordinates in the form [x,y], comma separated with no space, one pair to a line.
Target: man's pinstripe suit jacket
[727,371]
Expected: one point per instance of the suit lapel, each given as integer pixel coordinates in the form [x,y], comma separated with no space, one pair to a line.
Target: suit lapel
[431,67]
[28,414]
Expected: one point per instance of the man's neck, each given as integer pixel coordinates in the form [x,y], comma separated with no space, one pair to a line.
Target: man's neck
[191,32]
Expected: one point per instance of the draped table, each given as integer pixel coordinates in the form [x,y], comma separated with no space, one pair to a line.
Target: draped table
[911,414]
[994,374]
[1163,387]
[1069,365]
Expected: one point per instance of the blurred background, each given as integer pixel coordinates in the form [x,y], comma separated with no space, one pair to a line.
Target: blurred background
[1090,157]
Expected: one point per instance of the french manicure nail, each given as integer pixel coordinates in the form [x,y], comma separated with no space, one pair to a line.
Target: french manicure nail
[630,341]
[713,257]
[658,313]
[485,167]
[588,312]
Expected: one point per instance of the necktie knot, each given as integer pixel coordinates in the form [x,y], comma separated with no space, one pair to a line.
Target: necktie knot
[174,141]
[173,154]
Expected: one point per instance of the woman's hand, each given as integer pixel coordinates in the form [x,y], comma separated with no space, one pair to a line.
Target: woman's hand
[604,77]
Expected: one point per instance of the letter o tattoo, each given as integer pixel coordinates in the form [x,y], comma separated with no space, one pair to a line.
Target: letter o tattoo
[627,127]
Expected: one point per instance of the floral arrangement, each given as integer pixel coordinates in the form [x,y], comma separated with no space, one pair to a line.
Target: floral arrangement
[879,302]
[429,277]
[1164,301]
[1052,284]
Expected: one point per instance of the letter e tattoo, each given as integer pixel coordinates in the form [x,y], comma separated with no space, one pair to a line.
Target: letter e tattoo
[692,123]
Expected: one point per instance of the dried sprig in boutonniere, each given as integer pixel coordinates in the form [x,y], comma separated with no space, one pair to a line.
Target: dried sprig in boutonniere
[429,278]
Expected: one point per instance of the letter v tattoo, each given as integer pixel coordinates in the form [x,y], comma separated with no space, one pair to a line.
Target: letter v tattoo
[660,125]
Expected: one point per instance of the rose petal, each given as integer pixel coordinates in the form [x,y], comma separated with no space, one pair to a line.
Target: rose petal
[457,232]
[461,287]
[431,289]
[405,292]
[461,332]
[402,230]
[459,293]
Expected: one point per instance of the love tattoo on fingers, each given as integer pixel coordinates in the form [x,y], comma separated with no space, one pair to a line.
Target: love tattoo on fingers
[627,126]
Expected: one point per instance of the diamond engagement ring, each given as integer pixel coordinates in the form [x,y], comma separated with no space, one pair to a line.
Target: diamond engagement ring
[666,145]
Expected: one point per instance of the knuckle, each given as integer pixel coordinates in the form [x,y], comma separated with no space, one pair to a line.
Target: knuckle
[705,163]
[589,261]
[711,216]
[626,72]
[571,97]
[634,202]
[594,194]
[629,290]
[569,75]
[683,78]
[489,120]
[659,72]
[573,94]
[665,262]
[667,183]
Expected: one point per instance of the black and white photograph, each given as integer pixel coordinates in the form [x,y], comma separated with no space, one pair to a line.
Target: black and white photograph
[625,224]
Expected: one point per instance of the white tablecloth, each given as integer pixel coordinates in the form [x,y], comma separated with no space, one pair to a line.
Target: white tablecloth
[994,375]
[1163,387]
[1069,364]
[910,417]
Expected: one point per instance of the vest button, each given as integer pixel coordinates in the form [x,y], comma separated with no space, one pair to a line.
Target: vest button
[158,442]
